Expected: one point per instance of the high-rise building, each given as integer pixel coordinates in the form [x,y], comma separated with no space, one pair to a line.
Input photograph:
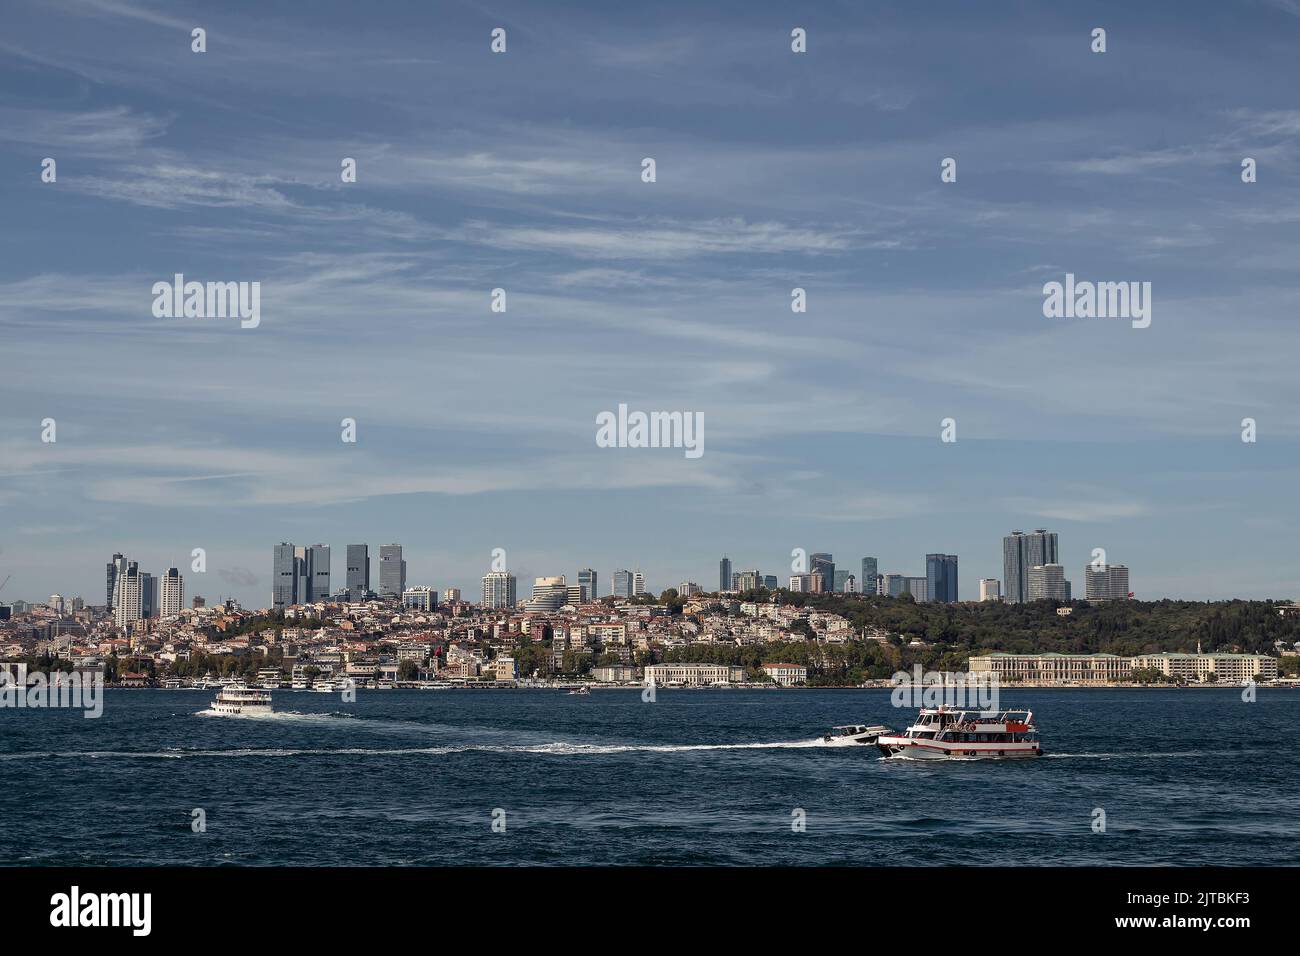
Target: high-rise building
[919,588]
[148,595]
[1020,552]
[823,565]
[867,580]
[284,576]
[117,564]
[549,594]
[688,589]
[941,577]
[724,574]
[893,585]
[622,586]
[1106,582]
[587,580]
[392,571]
[450,595]
[769,582]
[498,590]
[990,589]
[575,594]
[318,574]
[748,581]
[126,602]
[420,599]
[358,573]
[172,596]
[1047,583]
[638,583]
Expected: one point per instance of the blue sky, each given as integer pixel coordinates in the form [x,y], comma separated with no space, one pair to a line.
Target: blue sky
[522,171]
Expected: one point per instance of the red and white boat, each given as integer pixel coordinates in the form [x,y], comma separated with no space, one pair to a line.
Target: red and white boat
[941,733]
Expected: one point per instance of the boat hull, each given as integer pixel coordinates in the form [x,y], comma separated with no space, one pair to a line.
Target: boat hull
[910,749]
[243,710]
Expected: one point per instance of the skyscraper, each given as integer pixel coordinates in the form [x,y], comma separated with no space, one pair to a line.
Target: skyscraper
[498,590]
[867,580]
[148,595]
[990,589]
[941,577]
[318,573]
[622,584]
[358,573]
[392,571]
[126,602]
[284,576]
[117,564]
[172,596]
[724,574]
[587,580]
[823,565]
[1020,552]
[638,583]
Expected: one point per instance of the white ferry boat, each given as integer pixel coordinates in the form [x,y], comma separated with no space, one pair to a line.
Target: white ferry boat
[855,734]
[323,686]
[943,734]
[580,692]
[244,701]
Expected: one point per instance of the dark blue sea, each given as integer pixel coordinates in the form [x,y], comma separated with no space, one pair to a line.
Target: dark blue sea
[697,777]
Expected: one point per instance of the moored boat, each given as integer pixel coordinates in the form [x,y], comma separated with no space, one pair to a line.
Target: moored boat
[944,734]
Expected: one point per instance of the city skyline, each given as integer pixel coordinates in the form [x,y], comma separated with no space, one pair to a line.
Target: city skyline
[302,573]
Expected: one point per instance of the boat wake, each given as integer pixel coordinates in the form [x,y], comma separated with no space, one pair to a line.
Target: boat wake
[555,748]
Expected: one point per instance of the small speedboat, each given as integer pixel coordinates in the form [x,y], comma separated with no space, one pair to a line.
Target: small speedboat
[579,692]
[855,734]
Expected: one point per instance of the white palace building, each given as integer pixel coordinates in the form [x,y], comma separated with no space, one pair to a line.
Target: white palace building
[1054,668]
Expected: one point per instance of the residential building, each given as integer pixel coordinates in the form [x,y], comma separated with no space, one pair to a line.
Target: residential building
[1020,552]
[1047,582]
[498,590]
[126,602]
[1106,582]
[172,597]
[990,589]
